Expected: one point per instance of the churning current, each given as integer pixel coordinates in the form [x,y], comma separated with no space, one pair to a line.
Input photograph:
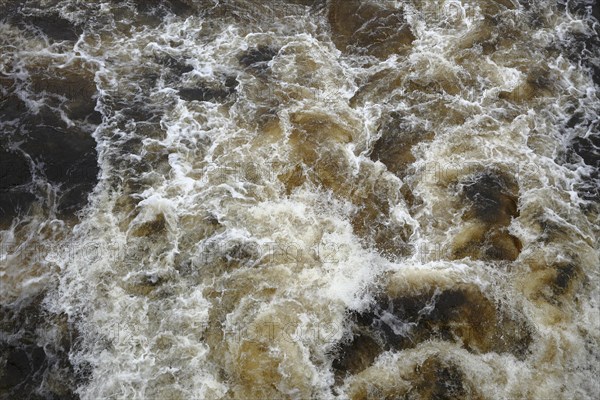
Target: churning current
[299,199]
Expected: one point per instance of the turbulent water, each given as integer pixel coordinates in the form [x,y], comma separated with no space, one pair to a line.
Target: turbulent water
[298,199]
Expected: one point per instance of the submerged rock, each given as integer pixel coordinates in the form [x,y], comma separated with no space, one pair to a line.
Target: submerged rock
[491,196]
[461,314]
[367,27]
[15,193]
[394,147]
[34,353]
[357,355]
[492,203]
[48,152]
[177,7]
[177,66]
[258,58]
[439,379]
[53,26]
[434,378]
[554,283]
[587,149]
[210,92]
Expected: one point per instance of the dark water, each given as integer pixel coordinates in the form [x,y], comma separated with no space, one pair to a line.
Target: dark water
[358,199]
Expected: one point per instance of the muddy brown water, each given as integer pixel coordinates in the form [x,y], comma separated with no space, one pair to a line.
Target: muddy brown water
[299,199]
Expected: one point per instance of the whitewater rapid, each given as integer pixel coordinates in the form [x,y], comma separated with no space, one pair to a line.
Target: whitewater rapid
[297,199]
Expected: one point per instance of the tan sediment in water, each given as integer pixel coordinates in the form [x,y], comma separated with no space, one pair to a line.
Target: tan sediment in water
[295,200]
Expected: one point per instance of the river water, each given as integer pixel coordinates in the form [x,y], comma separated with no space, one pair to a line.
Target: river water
[298,199]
